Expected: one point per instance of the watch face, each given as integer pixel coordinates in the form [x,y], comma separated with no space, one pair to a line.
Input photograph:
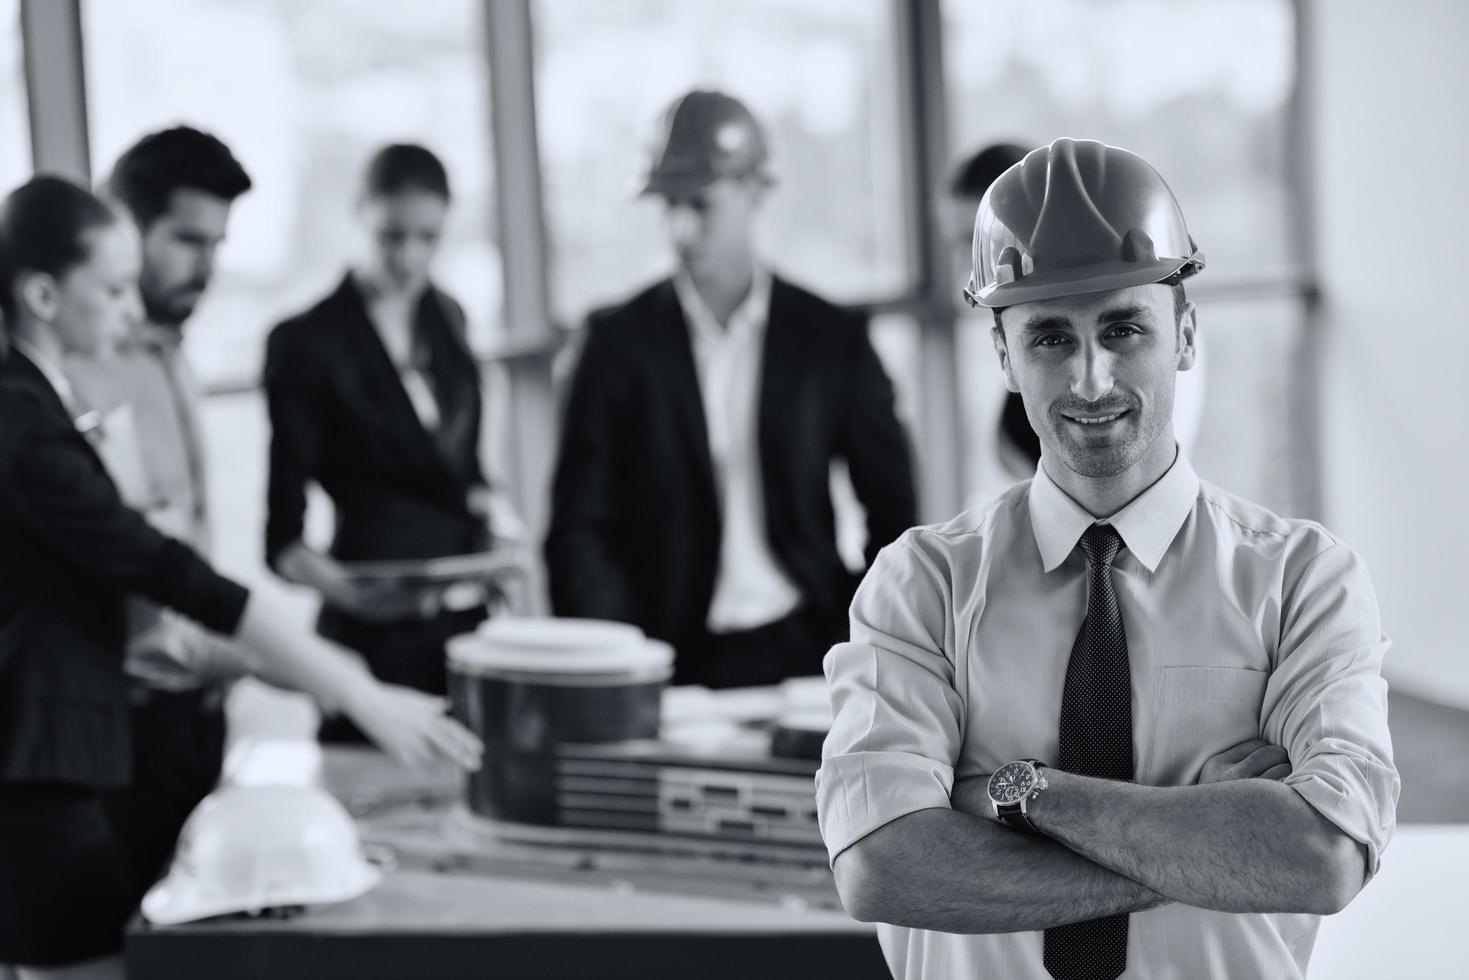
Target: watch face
[1011,782]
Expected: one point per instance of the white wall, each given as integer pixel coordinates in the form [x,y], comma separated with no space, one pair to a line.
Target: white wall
[1391,185]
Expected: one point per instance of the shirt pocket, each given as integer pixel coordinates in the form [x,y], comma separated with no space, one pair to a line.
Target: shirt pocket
[1199,712]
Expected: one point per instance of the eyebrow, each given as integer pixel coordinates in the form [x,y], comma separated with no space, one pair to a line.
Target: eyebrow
[1042,322]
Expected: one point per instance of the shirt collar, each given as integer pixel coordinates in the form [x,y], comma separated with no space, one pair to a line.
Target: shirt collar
[1147,525]
[49,371]
[750,315]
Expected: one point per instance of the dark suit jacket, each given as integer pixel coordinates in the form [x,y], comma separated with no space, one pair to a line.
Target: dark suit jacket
[70,552]
[339,416]
[635,524]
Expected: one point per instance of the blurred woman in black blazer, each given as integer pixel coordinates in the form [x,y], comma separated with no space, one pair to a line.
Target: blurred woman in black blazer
[71,554]
[375,396]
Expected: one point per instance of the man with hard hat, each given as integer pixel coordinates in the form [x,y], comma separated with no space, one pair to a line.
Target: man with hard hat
[1119,722]
[1012,452]
[691,495]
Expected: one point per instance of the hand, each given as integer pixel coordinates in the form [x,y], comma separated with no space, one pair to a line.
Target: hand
[374,602]
[1251,759]
[377,602]
[413,727]
[499,514]
[178,655]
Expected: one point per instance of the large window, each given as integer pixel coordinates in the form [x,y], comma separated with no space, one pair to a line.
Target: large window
[1163,78]
[15,128]
[303,93]
[821,74]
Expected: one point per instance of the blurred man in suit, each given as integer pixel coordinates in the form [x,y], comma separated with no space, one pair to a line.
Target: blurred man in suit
[691,495]
[178,185]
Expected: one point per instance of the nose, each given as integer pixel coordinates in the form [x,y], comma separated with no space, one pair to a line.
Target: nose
[1093,372]
[206,262]
[133,307]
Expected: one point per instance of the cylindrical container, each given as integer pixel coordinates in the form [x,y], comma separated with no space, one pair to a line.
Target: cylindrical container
[527,686]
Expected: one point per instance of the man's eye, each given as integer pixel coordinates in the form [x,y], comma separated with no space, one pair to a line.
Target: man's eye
[1123,330]
[1050,340]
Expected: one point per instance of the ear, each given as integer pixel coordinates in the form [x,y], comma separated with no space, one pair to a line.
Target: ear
[1188,333]
[39,294]
[1003,352]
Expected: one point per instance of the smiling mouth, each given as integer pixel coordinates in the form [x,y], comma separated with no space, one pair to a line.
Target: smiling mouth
[1095,419]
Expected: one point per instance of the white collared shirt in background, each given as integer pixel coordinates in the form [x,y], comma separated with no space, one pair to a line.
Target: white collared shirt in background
[1240,624]
[750,588]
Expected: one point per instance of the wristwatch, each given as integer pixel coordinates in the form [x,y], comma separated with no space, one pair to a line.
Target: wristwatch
[1012,787]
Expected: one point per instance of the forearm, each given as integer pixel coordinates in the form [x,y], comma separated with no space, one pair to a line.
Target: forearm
[1248,845]
[293,658]
[949,871]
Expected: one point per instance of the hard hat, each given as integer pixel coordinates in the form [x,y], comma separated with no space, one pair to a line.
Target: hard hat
[703,137]
[1077,217]
[250,848]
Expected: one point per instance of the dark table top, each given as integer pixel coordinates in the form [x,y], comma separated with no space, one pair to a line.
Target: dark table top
[461,903]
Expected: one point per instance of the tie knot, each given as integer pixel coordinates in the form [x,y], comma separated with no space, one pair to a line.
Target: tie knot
[1100,543]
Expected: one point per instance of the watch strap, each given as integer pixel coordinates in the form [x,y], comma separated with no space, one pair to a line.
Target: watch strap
[1010,813]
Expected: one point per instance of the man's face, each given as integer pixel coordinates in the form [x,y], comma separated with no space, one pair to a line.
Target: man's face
[405,230]
[713,228]
[178,254]
[95,303]
[1097,375]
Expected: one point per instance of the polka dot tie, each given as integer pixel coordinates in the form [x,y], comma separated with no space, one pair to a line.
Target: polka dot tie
[1096,740]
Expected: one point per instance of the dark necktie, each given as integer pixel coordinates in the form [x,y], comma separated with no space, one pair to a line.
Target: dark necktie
[1096,740]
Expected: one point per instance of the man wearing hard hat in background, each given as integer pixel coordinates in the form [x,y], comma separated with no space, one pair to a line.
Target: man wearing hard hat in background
[1005,449]
[1079,731]
[691,495]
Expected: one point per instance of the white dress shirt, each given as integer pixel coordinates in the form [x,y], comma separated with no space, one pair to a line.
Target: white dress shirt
[150,376]
[1240,624]
[148,383]
[750,588]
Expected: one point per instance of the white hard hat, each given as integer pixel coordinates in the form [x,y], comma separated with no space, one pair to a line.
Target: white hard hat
[250,848]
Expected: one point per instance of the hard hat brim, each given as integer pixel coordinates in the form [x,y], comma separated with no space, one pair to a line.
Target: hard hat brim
[683,184]
[676,185]
[174,901]
[1100,278]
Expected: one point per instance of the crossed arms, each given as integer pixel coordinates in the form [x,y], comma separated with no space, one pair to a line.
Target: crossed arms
[1291,822]
[1240,841]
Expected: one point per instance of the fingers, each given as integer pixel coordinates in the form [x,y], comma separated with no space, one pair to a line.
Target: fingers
[1260,760]
[1235,753]
[435,735]
[458,744]
[1250,759]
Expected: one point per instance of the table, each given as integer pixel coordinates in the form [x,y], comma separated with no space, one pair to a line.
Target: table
[453,908]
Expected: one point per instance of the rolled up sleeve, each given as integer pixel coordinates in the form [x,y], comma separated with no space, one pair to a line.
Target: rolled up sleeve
[896,730]
[1326,702]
